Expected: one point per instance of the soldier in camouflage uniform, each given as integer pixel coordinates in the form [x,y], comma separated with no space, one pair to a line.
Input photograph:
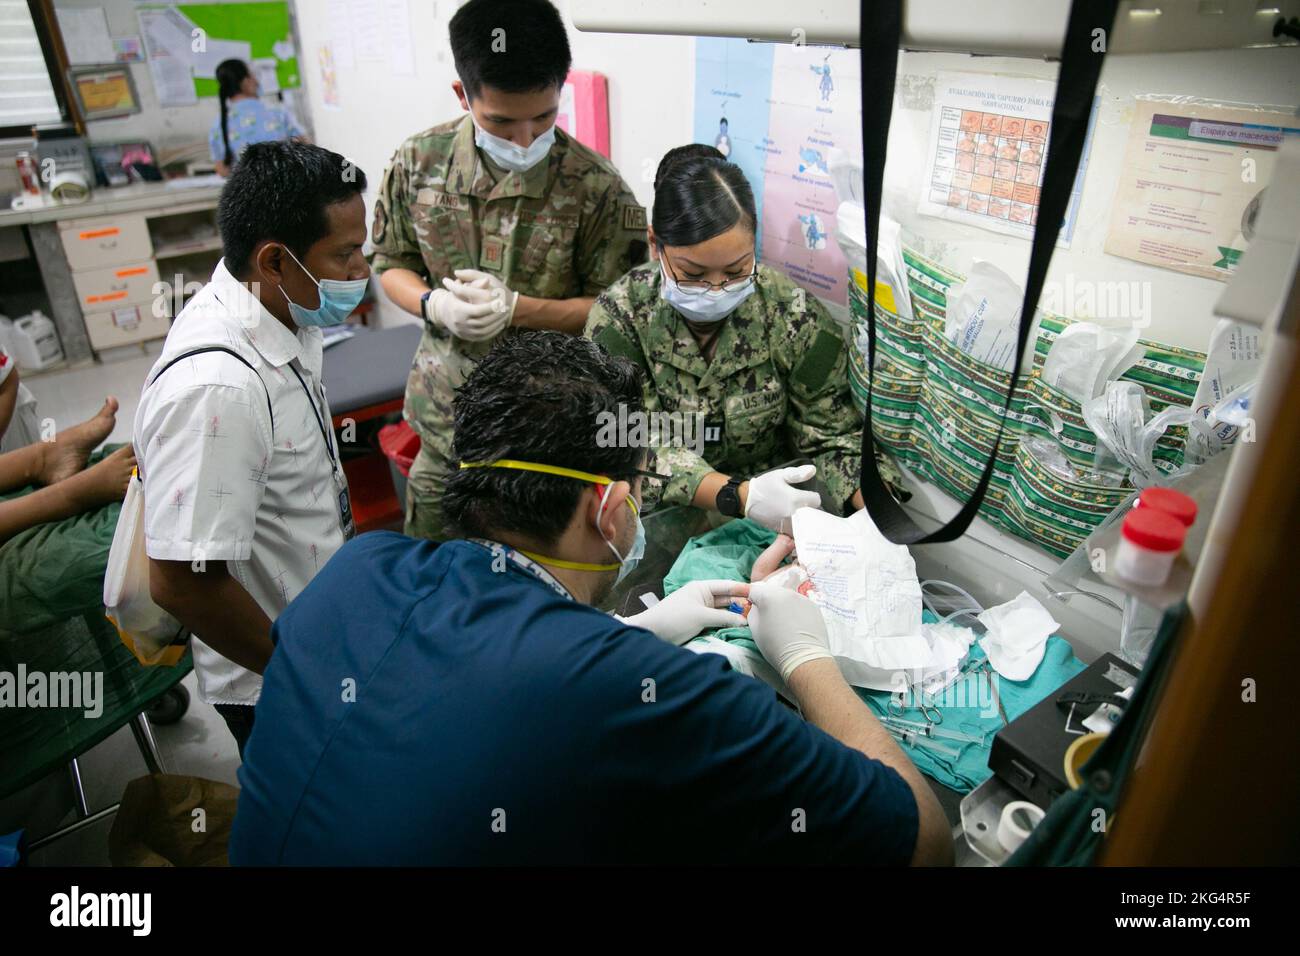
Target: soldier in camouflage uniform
[770,378]
[541,240]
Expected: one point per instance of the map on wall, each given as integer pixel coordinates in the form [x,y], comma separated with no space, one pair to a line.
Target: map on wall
[776,111]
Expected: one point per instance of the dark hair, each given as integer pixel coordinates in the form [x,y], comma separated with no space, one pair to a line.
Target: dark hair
[230,76]
[537,396]
[516,46]
[699,195]
[279,191]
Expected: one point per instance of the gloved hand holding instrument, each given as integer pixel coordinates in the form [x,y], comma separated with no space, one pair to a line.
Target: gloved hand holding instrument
[690,609]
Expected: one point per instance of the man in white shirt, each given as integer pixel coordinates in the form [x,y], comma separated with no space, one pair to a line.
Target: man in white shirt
[245,497]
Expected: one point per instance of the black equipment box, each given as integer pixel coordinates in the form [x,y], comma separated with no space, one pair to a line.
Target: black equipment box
[1029,753]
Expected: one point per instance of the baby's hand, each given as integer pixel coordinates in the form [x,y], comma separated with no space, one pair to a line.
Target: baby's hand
[771,559]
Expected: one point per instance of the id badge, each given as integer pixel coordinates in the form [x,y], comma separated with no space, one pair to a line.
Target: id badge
[346,521]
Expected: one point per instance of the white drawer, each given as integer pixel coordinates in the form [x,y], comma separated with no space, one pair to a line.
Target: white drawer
[97,243]
[116,286]
[132,323]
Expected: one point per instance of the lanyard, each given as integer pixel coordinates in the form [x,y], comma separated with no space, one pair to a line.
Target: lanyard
[320,423]
[526,563]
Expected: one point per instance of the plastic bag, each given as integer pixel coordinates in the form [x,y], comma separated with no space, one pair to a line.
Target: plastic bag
[151,634]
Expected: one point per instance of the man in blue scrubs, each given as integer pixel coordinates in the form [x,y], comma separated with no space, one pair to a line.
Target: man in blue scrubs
[465,703]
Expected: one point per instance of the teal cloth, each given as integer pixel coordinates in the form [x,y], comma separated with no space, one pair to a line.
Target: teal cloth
[729,553]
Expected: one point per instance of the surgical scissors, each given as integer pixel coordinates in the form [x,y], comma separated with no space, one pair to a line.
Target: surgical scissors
[898,706]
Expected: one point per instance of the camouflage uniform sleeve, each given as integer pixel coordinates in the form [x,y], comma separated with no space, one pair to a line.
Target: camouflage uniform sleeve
[393,234]
[609,325]
[823,423]
[612,239]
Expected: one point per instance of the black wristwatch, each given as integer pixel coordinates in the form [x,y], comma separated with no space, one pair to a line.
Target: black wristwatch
[728,500]
[424,305]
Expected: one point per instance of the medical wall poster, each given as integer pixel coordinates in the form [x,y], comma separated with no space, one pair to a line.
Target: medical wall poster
[1192,182]
[776,111]
[988,153]
[192,39]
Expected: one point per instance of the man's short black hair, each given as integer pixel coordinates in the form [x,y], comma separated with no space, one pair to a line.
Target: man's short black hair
[537,396]
[279,191]
[516,46]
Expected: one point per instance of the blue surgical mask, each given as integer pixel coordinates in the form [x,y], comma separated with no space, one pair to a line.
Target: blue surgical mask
[338,297]
[509,156]
[626,565]
[713,305]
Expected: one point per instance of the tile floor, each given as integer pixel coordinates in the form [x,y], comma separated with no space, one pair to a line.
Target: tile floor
[198,745]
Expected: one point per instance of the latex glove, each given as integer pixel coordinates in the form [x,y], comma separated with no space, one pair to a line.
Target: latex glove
[771,499]
[690,609]
[473,322]
[787,627]
[477,286]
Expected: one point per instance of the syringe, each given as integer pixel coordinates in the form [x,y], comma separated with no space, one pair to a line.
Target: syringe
[929,730]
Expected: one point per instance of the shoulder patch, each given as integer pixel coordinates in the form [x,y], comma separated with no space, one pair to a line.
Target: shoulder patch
[380,228]
[634,217]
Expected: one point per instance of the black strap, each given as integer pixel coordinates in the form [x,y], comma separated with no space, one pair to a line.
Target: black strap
[222,348]
[320,422]
[881,30]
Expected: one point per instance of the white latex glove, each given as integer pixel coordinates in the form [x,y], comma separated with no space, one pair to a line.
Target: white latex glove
[787,627]
[771,499]
[476,286]
[473,322]
[690,609]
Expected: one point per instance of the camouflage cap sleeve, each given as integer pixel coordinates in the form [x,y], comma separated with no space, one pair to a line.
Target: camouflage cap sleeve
[392,234]
[612,238]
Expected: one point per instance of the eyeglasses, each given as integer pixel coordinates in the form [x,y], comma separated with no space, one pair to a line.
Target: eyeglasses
[701,285]
[652,486]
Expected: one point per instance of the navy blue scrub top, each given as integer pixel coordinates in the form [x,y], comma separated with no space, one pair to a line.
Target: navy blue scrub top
[437,704]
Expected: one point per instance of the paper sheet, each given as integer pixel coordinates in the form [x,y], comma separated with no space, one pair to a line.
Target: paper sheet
[397,22]
[1191,183]
[167,43]
[367,29]
[85,35]
[340,34]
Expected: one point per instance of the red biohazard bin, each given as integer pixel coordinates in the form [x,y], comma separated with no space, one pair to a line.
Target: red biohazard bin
[400,444]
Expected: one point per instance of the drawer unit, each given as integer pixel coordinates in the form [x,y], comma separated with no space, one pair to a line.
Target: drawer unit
[99,243]
[132,323]
[102,289]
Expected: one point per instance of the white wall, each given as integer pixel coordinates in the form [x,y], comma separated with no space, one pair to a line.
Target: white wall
[1180,304]
[169,130]
[650,90]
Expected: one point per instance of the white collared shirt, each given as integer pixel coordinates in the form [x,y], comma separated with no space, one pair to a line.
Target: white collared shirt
[217,485]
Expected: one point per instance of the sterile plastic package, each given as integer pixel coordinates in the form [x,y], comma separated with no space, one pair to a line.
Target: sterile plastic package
[870,599]
[1085,357]
[1231,367]
[984,315]
[1118,417]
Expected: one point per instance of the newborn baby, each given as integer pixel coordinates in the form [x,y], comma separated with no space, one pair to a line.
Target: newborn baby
[769,566]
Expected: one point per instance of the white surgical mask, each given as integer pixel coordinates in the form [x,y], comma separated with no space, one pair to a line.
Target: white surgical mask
[509,156]
[713,305]
[626,563]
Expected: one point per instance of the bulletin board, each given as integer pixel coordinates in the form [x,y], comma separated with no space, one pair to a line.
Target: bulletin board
[260,30]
